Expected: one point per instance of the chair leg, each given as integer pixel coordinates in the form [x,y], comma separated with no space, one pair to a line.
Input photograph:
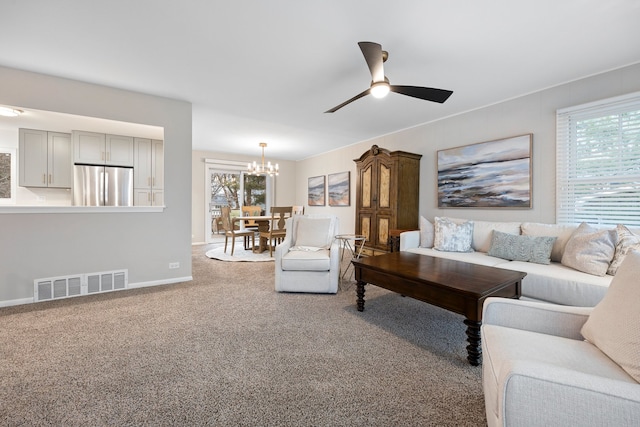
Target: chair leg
[225,243]
[233,244]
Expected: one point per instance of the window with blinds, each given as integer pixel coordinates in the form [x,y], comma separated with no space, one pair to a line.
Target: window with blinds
[598,162]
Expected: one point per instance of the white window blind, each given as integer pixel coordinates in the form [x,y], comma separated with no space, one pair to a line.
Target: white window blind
[598,162]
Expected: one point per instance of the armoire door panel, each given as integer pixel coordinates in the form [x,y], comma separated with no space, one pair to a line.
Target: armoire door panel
[365,227]
[383,231]
[384,188]
[366,188]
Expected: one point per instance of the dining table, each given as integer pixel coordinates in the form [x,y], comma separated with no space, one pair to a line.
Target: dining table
[263,221]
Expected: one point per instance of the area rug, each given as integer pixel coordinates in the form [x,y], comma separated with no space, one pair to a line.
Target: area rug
[239,254]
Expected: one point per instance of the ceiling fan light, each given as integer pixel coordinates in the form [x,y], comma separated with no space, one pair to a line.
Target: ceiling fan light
[379,89]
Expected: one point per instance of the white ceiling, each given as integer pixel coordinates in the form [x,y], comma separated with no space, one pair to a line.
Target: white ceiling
[259,70]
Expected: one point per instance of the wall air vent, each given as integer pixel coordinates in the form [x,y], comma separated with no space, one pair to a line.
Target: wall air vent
[107,281]
[80,284]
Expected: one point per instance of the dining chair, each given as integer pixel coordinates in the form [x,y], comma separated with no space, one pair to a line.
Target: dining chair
[227,226]
[277,229]
[251,211]
[297,210]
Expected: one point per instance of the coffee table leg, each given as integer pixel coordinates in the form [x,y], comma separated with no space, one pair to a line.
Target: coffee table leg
[474,350]
[360,294]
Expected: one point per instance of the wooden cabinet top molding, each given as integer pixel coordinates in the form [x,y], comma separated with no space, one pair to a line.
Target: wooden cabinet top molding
[375,151]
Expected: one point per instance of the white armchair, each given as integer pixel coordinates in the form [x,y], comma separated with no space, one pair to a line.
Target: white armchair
[537,369]
[308,260]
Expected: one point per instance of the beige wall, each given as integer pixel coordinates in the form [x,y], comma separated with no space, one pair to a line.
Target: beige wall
[39,245]
[534,113]
[285,190]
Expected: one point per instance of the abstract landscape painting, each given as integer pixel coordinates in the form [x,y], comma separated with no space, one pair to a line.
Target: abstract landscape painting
[315,195]
[486,175]
[338,184]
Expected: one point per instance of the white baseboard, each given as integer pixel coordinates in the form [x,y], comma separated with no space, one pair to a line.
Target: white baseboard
[159,282]
[12,302]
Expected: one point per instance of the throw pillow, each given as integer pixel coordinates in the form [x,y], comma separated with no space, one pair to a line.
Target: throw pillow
[313,232]
[590,250]
[521,248]
[626,242]
[426,233]
[452,237]
[614,324]
[560,231]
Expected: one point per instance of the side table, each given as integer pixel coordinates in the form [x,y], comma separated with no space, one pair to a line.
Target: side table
[353,243]
[394,239]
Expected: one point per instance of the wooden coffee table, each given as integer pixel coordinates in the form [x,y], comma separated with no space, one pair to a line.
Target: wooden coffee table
[457,286]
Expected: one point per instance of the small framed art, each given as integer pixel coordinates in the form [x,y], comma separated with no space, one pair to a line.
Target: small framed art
[339,186]
[315,192]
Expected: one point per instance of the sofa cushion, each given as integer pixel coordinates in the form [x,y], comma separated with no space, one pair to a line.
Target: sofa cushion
[317,260]
[614,324]
[453,237]
[426,233]
[483,232]
[559,284]
[561,232]
[590,250]
[626,242]
[521,248]
[313,232]
[480,258]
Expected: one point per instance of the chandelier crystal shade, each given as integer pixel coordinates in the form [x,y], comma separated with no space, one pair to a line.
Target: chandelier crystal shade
[256,168]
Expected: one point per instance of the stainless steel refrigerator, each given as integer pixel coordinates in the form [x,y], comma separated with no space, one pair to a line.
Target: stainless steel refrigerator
[102,185]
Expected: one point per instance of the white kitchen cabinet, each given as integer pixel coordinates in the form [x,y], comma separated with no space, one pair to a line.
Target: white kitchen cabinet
[45,159]
[146,197]
[100,149]
[141,197]
[157,164]
[119,150]
[148,172]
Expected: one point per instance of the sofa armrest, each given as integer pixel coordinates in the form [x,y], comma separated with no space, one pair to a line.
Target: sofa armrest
[409,240]
[560,320]
[564,397]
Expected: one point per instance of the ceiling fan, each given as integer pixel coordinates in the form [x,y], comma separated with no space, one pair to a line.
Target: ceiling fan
[375,57]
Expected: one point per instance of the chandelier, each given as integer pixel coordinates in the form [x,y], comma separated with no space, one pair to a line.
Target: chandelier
[262,169]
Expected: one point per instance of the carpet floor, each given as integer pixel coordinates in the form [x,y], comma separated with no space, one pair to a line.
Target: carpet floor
[226,350]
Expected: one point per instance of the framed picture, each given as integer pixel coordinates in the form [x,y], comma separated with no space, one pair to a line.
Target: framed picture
[315,194]
[486,175]
[339,189]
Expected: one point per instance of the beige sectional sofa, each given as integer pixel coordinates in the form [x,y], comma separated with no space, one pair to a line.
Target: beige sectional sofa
[555,282]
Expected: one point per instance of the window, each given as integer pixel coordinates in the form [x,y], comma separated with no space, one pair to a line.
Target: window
[7,175]
[598,162]
[228,184]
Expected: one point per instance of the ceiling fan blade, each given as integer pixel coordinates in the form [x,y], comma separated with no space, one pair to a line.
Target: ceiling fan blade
[355,98]
[373,55]
[426,93]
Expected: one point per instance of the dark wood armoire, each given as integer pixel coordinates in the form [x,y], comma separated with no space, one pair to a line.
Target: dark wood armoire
[387,195]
